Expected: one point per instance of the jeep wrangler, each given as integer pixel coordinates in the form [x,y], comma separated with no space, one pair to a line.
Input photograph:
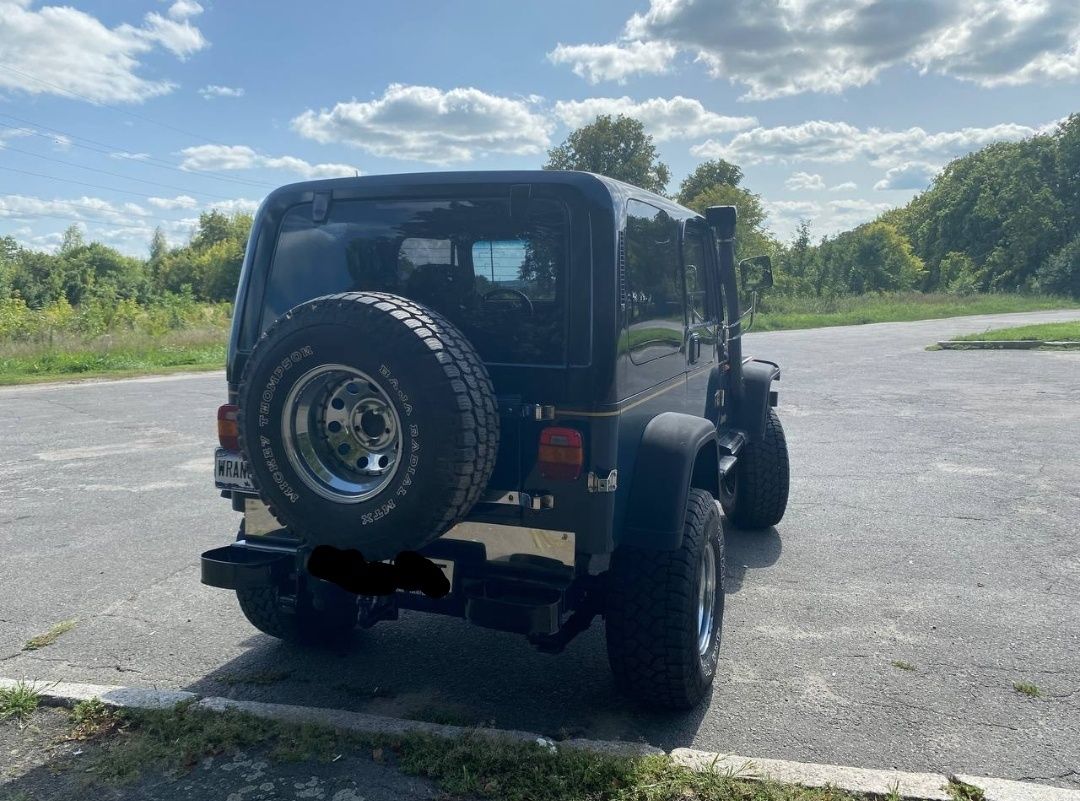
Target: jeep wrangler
[519,398]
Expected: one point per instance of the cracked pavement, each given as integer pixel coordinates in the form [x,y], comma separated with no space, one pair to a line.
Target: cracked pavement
[933,521]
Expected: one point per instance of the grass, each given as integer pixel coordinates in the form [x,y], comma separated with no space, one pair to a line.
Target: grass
[113,356]
[50,636]
[783,313]
[1047,332]
[176,740]
[18,702]
[900,664]
[961,791]
[1027,688]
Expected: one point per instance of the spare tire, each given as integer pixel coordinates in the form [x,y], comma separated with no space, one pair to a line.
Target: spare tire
[369,422]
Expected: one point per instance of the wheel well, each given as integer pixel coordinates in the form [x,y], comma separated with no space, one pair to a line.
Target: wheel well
[706,472]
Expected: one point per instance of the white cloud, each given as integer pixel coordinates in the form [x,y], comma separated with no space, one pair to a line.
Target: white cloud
[783,48]
[804,180]
[241,157]
[63,51]
[182,9]
[846,186]
[178,36]
[909,175]
[847,213]
[126,226]
[822,141]
[24,207]
[423,123]
[614,62]
[213,90]
[123,154]
[665,118]
[178,202]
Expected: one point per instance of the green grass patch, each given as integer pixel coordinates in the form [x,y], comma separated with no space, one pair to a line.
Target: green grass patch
[113,356]
[900,664]
[18,702]
[50,636]
[475,765]
[1027,688]
[1047,332]
[962,791]
[783,312]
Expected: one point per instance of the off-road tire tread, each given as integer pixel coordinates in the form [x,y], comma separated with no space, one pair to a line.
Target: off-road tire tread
[308,626]
[650,598]
[477,434]
[763,479]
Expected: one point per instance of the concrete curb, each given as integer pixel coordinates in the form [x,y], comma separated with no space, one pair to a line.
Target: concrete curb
[928,786]
[1006,344]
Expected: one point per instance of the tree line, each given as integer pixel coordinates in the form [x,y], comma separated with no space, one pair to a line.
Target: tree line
[1005,218]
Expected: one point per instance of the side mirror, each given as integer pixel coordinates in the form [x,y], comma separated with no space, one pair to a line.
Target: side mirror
[755,273]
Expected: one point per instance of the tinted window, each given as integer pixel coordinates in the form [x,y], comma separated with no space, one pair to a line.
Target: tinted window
[502,281]
[653,281]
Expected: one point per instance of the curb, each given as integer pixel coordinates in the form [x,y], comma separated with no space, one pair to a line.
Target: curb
[1006,344]
[928,786]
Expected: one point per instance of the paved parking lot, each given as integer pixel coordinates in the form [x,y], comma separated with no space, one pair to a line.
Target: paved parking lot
[930,559]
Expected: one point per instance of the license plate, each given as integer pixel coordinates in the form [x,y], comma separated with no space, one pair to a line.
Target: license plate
[446,566]
[231,471]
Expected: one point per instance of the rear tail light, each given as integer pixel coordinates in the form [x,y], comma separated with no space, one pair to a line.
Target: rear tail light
[561,454]
[228,430]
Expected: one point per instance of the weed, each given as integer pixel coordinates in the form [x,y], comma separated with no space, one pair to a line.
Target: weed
[50,636]
[18,702]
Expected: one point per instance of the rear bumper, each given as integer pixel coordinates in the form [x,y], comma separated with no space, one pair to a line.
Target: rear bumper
[522,593]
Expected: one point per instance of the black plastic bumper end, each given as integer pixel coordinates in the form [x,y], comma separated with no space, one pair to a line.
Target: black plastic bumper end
[235,567]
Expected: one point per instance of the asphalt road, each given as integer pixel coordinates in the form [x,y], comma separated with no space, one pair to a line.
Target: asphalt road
[933,521]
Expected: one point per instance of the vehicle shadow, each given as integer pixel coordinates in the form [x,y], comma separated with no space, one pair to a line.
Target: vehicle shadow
[748,550]
[443,670]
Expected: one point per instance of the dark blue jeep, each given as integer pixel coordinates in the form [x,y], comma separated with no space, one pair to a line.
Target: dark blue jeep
[514,397]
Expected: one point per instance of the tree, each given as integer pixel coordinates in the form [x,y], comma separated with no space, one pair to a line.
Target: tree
[751,236]
[1061,273]
[707,175]
[617,147]
[73,239]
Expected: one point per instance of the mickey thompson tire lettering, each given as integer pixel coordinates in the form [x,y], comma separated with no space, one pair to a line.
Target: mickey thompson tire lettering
[438,388]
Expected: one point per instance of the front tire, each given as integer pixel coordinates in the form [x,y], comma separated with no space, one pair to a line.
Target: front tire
[755,495]
[665,613]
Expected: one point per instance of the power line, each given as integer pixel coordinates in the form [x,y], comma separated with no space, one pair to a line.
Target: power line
[87,206]
[111,150]
[102,104]
[112,174]
[82,183]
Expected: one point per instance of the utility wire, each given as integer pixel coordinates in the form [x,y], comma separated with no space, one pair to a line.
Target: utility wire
[81,183]
[87,206]
[112,174]
[111,150]
[42,81]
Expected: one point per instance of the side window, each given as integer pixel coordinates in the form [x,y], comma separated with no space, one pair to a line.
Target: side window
[698,300]
[655,309]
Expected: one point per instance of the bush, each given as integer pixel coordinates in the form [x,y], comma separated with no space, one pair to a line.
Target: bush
[1060,274]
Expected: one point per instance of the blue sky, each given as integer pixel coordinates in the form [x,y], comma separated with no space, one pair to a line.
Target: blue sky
[136,114]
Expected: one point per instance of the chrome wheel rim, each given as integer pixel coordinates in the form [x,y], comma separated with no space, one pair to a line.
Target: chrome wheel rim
[706,611]
[342,434]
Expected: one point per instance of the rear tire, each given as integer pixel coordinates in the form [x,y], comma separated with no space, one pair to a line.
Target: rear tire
[329,625]
[755,495]
[660,651]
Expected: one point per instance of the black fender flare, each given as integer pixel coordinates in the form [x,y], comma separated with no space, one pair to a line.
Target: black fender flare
[757,396]
[677,451]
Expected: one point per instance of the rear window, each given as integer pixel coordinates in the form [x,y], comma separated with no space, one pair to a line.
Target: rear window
[501,279]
